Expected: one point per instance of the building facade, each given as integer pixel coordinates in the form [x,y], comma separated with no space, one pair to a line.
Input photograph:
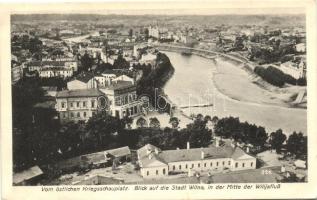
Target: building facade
[76,105]
[155,163]
[122,99]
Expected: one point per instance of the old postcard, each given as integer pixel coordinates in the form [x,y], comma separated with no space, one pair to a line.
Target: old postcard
[159,100]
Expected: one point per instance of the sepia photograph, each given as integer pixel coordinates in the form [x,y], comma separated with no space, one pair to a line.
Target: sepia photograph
[148,97]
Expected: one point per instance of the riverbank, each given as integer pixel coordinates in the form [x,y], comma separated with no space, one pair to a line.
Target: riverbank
[235,79]
[193,82]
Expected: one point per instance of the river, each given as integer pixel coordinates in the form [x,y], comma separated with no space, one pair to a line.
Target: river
[192,84]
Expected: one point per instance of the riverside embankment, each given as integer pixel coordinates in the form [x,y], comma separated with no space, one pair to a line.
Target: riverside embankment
[198,79]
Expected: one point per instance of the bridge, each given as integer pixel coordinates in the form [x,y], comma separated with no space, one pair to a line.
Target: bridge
[195,105]
[209,54]
[300,97]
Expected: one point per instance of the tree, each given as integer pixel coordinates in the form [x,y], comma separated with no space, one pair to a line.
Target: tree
[297,144]
[174,121]
[86,62]
[130,33]
[141,123]
[104,127]
[277,139]
[154,123]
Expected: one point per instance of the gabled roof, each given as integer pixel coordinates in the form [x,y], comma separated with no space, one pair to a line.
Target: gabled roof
[155,161]
[239,154]
[142,152]
[95,158]
[123,151]
[27,174]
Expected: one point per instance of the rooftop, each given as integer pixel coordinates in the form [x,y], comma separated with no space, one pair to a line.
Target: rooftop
[120,85]
[79,93]
[123,151]
[27,174]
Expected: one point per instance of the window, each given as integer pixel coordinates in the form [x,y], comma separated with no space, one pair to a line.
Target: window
[130,98]
[71,104]
[85,114]
[147,173]
[77,104]
[242,164]
[164,171]
[125,99]
[63,105]
[223,163]
[78,114]
[237,164]
[92,103]
[64,116]
[205,165]
[192,165]
[84,103]
[135,110]
[173,167]
[180,167]
[131,111]
[252,164]
[186,166]
[198,164]
[71,114]
[217,164]
[229,163]
[210,164]
[156,172]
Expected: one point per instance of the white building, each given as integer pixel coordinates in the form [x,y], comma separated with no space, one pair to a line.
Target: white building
[293,69]
[155,163]
[301,47]
[75,105]
[123,78]
[122,99]
[55,72]
[148,59]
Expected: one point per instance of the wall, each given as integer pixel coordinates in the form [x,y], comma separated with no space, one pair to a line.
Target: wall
[152,172]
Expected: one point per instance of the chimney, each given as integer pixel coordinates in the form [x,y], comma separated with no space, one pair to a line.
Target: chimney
[233,145]
[156,151]
[150,156]
[177,148]
[188,145]
[202,155]
[248,150]
[148,151]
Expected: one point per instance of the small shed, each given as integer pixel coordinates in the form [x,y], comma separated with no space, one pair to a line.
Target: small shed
[28,176]
[300,164]
[122,154]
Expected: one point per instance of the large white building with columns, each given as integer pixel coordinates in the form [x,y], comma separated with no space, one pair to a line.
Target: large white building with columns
[155,163]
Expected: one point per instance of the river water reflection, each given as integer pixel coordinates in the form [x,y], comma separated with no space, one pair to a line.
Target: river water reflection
[192,84]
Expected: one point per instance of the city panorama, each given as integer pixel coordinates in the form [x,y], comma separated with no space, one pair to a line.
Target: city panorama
[101,99]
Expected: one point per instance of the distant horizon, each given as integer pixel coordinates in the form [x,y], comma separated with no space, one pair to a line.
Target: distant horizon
[177,12]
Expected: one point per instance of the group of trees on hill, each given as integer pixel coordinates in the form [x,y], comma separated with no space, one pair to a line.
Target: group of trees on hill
[230,127]
[276,77]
